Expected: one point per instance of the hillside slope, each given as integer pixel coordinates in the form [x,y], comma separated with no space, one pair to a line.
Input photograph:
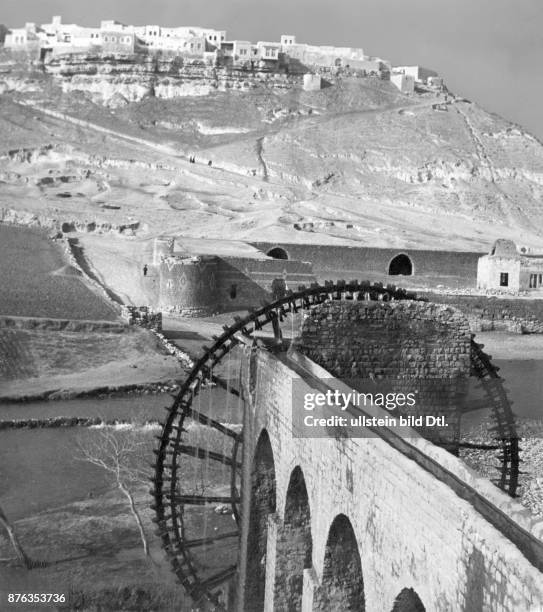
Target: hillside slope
[354,163]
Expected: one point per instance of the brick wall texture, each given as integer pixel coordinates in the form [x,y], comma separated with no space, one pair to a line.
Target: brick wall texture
[407,346]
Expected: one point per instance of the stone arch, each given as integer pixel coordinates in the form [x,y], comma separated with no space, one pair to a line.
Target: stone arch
[277,253]
[294,546]
[263,500]
[401,264]
[342,585]
[408,601]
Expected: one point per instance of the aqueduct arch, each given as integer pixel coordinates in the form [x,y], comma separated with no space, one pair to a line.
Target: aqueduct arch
[342,585]
[263,500]
[294,546]
[408,601]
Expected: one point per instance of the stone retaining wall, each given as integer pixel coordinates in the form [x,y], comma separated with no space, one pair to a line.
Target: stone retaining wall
[493,313]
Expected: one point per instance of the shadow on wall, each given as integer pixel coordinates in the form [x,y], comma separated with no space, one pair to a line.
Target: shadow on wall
[263,488]
[294,545]
[237,290]
[342,586]
[204,285]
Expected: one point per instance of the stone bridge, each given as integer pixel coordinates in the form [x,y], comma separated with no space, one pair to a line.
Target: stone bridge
[387,522]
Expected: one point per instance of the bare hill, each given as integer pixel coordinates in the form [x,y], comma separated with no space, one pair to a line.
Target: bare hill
[356,162]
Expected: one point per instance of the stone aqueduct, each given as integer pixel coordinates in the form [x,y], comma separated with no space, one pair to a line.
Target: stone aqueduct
[363,524]
[380,523]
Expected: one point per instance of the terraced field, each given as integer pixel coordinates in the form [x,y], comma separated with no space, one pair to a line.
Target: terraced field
[35,281]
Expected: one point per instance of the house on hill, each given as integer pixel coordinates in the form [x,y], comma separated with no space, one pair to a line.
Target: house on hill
[19,39]
[420,74]
[404,82]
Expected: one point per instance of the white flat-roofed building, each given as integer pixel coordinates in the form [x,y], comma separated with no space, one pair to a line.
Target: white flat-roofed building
[17,38]
[112,25]
[404,82]
[419,73]
[117,41]
[180,39]
[240,51]
[268,51]
[288,39]
[508,268]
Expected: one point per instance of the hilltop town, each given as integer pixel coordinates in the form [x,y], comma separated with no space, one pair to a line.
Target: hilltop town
[210,47]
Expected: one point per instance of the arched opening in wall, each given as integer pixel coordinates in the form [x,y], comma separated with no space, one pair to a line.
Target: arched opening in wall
[262,505]
[342,585]
[277,253]
[400,265]
[408,601]
[294,546]
[233,292]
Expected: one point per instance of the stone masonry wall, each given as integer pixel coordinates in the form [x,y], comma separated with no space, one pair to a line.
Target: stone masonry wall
[251,279]
[492,313]
[412,530]
[405,346]
[203,285]
[450,268]
[189,286]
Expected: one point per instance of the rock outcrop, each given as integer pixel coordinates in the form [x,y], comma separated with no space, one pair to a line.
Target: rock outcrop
[116,81]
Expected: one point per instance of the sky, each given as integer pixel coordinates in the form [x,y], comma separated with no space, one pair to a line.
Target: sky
[489,51]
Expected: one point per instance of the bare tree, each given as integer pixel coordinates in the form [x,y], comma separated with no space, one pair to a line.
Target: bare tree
[122,454]
[21,555]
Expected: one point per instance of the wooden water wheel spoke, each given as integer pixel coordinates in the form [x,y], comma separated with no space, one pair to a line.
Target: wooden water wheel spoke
[218,579]
[201,500]
[225,385]
[202,453]
[205,420]
[210,539]
[475,405]
[477,446]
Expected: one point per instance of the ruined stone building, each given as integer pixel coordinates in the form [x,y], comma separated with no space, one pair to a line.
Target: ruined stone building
[510,269]
[196,277]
